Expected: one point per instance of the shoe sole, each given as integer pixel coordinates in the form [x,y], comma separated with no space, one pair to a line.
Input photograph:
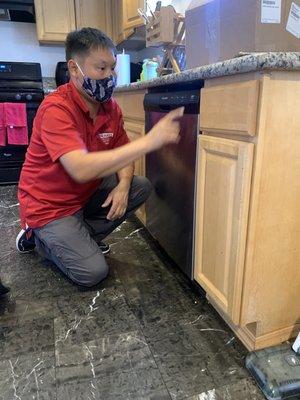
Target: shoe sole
[22,231]
[105,251]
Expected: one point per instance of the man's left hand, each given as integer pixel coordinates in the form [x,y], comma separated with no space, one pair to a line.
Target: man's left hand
[118,198]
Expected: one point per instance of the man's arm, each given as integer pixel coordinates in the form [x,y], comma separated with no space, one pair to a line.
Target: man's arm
[125,175]
[118,197]
[84,167]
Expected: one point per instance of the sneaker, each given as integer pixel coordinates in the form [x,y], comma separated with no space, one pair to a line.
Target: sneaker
[105,248]
[25,241]
[3,289]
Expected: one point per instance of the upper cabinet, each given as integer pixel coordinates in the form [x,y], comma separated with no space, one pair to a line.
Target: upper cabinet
[56,18]
[94,13]
[131,18]
[125,18]
[117,21]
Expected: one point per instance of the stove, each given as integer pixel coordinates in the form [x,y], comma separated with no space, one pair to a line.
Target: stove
[19,83]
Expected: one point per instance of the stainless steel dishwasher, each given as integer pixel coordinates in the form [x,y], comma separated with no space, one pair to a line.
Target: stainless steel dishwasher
[170,208]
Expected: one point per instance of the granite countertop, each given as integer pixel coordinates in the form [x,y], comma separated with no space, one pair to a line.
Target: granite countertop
[248,63]
[49,85]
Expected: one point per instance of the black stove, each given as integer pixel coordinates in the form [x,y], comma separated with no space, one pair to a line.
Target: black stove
[19,83]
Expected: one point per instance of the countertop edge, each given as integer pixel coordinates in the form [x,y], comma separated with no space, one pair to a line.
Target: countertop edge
[254,62]
[282,61]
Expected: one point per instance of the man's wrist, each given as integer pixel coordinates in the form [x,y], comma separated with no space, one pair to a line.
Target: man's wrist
[125,182]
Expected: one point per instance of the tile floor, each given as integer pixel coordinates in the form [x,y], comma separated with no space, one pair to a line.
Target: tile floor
[144,333]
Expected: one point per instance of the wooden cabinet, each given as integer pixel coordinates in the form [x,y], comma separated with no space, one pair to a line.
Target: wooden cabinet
[230,108]
[94,13]
[56,18]
[117,18]
[247,252]
[125,18]
[131,104]
[223,182]
[136,130]
[131,18]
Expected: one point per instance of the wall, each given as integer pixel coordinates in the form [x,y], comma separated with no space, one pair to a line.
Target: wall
[150,52]
[179,5]
[18,42]
[147,52]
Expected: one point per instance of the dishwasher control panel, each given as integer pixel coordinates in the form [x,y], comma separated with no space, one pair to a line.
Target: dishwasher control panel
[169,101]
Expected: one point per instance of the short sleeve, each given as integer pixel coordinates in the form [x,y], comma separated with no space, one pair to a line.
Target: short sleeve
[59,132]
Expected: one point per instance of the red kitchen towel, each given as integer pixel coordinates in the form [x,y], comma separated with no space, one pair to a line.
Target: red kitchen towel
[2,126]
[16,123]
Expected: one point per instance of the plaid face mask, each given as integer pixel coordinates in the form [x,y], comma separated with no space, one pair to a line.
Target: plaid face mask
[98,89]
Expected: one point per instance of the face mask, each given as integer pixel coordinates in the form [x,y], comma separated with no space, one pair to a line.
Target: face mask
[98,89]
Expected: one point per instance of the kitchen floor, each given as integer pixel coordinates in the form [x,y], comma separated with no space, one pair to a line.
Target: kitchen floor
[144,333]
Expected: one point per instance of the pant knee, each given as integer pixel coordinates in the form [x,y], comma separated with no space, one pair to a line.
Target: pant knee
[92,272]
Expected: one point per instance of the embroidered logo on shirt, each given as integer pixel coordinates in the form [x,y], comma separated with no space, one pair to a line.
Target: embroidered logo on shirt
[105,137]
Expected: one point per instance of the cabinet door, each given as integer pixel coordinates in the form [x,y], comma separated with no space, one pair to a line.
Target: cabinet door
[95,14]
[131,18]
[223,189]
[54,19]
[134,131]
[117,17]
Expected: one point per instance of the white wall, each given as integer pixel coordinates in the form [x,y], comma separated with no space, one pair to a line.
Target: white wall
[179,5]
[18,42]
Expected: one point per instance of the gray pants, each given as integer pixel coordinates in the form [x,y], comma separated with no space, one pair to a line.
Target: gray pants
[70,242]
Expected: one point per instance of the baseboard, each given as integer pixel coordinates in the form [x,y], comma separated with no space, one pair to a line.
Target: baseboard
[255,343]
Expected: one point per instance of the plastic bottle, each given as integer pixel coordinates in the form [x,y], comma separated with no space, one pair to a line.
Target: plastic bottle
[151,67]
[144,70]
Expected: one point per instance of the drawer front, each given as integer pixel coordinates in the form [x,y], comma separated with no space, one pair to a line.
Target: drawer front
[230,108]
[132,104]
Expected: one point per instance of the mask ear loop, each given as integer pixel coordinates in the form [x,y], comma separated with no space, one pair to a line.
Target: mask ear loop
[79,69]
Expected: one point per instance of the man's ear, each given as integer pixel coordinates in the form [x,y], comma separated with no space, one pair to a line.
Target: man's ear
[73,69]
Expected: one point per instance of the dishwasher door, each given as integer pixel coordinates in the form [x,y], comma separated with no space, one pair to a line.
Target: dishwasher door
[171,170]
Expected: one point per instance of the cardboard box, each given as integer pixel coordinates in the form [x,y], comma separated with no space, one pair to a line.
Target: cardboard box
[218,30]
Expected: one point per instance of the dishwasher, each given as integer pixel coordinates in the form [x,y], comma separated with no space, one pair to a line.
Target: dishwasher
[171,170]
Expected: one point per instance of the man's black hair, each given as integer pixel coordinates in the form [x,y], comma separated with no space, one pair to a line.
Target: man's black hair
[79,43]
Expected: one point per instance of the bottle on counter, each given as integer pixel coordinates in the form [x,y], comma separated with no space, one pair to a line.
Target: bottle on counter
[149,69]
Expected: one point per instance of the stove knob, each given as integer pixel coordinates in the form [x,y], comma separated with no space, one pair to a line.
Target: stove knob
[28,97]
[18,96]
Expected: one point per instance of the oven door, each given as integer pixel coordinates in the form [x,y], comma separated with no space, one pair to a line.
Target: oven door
[13,156]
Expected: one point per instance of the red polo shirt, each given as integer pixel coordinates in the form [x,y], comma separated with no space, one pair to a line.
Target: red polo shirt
[63,124]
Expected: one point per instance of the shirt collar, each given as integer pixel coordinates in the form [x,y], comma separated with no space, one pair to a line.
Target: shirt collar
[78,99]
[103,112]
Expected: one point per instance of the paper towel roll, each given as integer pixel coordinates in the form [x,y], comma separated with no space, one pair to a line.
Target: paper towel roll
[123,69]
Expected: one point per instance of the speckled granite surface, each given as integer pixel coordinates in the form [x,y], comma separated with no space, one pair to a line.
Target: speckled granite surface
[249,63]
[48,84]
[240,65]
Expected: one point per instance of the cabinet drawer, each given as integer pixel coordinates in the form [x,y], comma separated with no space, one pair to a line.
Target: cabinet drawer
[132,104]
[230,108]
